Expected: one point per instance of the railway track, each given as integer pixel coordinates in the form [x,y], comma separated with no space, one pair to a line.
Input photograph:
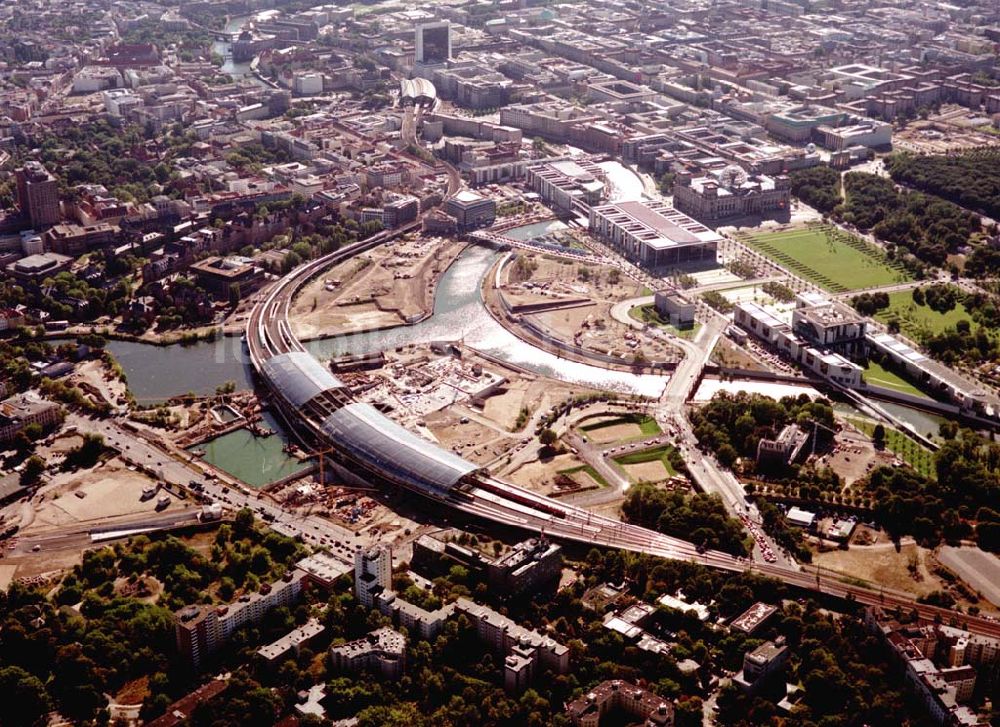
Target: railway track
[268,335]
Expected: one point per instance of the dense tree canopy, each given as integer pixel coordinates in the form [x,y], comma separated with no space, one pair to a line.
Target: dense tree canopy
[699,518]
[971,179]
[818,187]
[928,227]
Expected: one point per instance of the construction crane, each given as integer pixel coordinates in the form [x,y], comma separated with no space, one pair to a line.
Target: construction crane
[816,425]
[321,453]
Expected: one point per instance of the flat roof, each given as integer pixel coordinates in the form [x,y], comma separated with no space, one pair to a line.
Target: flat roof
[654,220]
[656,225]
[753,617]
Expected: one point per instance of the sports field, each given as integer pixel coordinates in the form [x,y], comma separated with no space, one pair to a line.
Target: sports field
[637,464]
[621,428]
[828,257]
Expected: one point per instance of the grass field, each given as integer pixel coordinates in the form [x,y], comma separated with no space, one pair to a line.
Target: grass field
[647,425]
[920,321]
[828,257]
[918,457]
[648,314]
[876,375]
[657,454]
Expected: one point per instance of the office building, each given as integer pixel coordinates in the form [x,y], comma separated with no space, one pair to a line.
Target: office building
[653,234]
[762,667]
[35,268]
[323,569]
[382,651]
[471,210]
[566,183]
[528,565]
[731,192]
[940,663]
[503,634]
[871,134]
[372,574]
[433,43]
[754,617]
[22,410]
[38,195]
[797,123]
[120,101]
[778,334]
[417,621]
[675,307]
[784,449]
[218,275]
[829,324]
[72,239]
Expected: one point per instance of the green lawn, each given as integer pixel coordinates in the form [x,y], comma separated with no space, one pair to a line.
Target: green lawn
[920,321]
[918,457]
[661,453]
[828,257]
[587,469]
[647,425]
[876,375]
[648,314]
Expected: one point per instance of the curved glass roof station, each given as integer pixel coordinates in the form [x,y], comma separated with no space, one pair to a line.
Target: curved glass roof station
[372,437]
[299,377]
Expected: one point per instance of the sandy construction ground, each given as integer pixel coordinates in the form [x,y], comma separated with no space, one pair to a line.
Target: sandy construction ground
[881,564]
[93,376]
[504,408]
[7,576]
[614,433]
[538,475]
[473,440]
[109,490]
[646,471]
[385,287]
[854,456]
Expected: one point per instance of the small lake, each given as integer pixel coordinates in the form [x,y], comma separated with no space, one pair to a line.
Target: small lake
[257,461]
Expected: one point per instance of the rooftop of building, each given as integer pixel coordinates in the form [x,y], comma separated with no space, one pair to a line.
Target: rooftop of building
[658,225]
[292,639]
[385,640]
[749,620]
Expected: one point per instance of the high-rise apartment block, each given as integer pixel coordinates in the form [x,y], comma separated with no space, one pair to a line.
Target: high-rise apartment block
[201,630]
[372,574]
[38,195]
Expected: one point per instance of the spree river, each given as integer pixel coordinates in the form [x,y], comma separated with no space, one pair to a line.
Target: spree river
[459,315]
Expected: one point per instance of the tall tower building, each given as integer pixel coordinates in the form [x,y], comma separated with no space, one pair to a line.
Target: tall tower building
[38,195]
[433,43]
[372,573]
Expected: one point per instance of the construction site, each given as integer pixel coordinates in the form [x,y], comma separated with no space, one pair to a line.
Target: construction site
[384,287]
[547,299]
